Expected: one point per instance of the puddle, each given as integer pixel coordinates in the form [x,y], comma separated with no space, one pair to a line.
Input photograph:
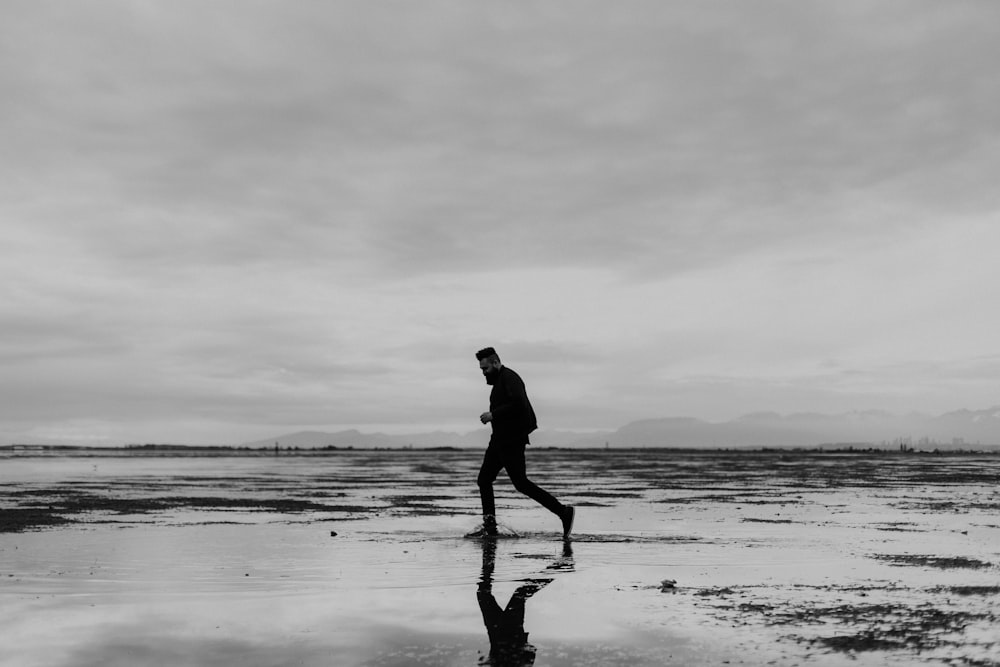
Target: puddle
[359,559]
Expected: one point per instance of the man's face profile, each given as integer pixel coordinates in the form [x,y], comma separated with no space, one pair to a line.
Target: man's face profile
[489,369]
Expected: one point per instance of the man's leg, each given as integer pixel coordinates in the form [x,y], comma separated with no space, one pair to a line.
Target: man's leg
[516,469]
[492,463]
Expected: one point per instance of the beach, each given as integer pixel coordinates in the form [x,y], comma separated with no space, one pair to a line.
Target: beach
[348,557]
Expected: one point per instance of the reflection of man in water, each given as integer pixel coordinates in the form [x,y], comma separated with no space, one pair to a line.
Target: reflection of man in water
[512,419]
[509,645]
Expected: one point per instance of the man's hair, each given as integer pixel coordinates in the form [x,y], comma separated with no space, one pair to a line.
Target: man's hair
[487,353]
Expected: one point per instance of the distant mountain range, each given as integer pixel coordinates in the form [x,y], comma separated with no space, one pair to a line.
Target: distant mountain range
[960,429]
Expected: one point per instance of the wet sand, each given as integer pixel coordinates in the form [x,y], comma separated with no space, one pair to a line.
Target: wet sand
[357,558]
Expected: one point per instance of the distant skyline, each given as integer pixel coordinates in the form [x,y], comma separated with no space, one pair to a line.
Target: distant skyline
[225,221]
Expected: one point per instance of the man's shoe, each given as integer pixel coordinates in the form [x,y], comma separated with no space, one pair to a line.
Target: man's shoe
[482,532]
[567,520]
[488,529]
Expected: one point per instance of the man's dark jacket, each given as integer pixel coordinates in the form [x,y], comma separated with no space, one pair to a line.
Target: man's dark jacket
[513,416]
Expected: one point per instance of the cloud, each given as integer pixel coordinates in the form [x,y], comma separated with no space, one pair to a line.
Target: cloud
[315,213]
[666,134]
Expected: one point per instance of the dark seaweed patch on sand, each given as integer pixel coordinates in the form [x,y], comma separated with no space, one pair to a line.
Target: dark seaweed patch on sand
[432,469]
[855,627]
[18,519]
[893,627]
[898,527]
[969,590]
[423,505]
[949,506]
[715,592]
[764,498]
[609,538]
[603,494]
[56,511]
[940,562]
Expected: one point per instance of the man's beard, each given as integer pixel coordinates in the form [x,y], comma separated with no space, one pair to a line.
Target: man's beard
[491,376]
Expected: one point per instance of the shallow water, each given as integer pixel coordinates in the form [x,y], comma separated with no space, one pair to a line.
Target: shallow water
[357,558]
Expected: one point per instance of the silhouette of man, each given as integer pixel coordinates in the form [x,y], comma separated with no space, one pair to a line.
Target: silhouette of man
[512,418]
[509,646]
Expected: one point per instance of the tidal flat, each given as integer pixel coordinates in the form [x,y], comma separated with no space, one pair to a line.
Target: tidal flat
[343,558]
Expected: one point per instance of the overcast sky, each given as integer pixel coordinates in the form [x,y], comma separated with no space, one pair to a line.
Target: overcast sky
[226,221]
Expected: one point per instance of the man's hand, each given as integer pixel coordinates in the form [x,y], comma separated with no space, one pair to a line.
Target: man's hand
[486,417]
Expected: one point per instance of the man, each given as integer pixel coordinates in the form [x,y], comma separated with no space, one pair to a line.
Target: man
[512,419]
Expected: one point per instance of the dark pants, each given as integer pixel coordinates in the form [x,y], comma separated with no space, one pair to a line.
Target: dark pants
[511,457]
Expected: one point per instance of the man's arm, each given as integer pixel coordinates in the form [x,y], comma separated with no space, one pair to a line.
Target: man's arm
[516,395]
